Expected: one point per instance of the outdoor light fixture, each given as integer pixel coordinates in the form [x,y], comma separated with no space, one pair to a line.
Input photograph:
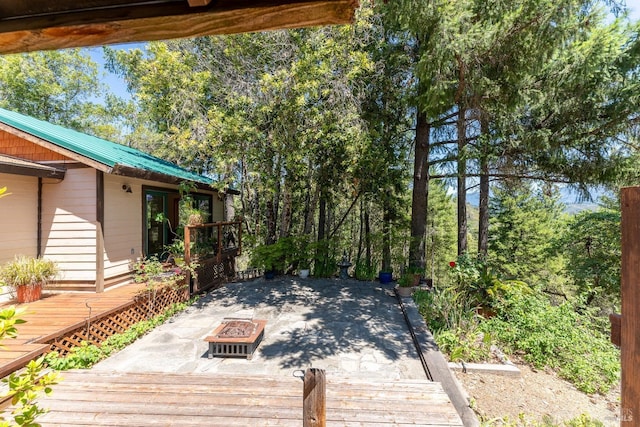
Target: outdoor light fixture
[126,188]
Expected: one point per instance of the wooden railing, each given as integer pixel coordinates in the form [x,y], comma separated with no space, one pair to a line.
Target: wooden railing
[213,247]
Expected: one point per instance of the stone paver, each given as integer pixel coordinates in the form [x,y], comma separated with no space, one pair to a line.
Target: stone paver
[346,327]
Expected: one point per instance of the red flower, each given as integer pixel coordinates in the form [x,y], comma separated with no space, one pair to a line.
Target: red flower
[452,264]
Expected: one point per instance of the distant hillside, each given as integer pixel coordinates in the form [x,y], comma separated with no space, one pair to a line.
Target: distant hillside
[569,197]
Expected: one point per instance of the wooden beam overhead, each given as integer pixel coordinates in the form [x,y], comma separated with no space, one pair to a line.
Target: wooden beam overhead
[196,3]
[45,25]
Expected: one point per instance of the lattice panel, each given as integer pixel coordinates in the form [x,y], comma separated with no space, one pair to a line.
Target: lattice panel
[145,306]
[210,274]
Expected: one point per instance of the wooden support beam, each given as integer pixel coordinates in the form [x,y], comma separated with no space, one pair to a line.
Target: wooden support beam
[314,407]
[198,3]
[630,324]
[45,25]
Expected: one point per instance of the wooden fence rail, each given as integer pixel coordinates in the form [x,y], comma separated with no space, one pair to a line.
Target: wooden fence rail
[213,248]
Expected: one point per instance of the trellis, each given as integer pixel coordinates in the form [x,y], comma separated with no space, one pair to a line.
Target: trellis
[96,330]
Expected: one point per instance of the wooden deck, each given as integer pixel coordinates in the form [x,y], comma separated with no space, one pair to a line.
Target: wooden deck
[52,317]
[87,398]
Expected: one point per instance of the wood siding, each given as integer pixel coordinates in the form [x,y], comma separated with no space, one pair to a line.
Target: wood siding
[218,208]
[68,225]
[122,225]
[19,213]
[12,145]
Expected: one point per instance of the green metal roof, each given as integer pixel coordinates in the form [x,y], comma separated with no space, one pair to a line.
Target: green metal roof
[100,150]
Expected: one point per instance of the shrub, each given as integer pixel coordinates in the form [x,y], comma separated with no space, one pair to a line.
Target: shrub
[558,337]
[454,323]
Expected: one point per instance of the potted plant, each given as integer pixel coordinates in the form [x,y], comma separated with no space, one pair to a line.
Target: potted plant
[415,273]
[385,275]
[406,285]
[269,258]
[28,275]
[302,256]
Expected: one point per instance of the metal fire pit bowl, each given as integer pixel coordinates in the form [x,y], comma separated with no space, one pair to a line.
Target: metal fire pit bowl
[236,338]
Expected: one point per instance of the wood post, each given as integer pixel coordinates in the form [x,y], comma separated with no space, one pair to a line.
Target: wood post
[314,407]
[219,254]
[630,291]
[99,258]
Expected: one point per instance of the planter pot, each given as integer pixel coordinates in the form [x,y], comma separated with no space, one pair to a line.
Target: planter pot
[385,276]
[304,273]
[28,293]
[405,291]
[416,279]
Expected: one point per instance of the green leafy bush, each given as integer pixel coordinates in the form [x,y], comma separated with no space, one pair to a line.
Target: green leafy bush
[26,385]
[364,271]
[454,323]
[559,337]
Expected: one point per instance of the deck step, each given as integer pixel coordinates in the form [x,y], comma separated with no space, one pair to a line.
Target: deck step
[125,399]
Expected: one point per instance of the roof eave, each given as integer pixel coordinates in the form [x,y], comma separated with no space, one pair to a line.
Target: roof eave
[25,170]
[132,172]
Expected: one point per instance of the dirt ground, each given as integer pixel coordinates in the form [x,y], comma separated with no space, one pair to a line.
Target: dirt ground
[535,395]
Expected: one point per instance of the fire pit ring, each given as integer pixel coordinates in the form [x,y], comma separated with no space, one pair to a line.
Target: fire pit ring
[236,338]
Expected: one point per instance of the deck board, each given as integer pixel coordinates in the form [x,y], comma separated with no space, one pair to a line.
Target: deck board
[118,399]
[53,316]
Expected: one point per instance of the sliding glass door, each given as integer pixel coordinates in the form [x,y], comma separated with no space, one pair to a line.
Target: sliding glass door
[156,229]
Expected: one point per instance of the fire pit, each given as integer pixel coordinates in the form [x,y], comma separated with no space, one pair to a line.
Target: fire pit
[236,338]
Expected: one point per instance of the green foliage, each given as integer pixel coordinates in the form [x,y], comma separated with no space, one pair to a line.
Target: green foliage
[272,257]
[441,232]
[326,260]
[582,420]
[25,386]
[522,229]
[148,269]
[454,323]
[24,270]
[558,337]
[466,343]
[474,280]
[406,280]
[363,271]
[8,320]
[60,86]
[591,247]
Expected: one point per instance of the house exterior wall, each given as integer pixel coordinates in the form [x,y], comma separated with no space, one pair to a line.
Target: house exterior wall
[122,226]
[19,217]
[218,208]
[123,222]
[69,216]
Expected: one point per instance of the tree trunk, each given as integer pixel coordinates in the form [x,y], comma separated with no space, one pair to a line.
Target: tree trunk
[462,181]
[272,205]
[271,223]
[420,192]
[310,201]
[285,223]
[483,220]
[386,235]
[367,240]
